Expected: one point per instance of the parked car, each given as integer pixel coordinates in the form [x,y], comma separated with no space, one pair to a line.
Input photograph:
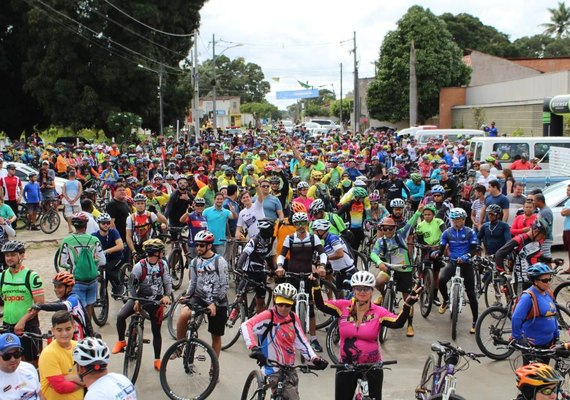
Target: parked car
[23,170]
[289,125]
[555,197]
[71,140]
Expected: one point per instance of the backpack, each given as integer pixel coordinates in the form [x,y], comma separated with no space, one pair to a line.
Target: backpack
[88,270]
[272,324]
[534,312]
[26,280]
[323,194]
[144,271]
[215,259]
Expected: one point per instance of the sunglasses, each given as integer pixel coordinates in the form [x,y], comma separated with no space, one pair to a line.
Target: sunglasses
[104,223]
[547,391]
[199,205]
[15,354]
[201,244]
[265,186]
[437,195]
[388,228]
[362,289]
[300,223]
[545,280]
[284,305]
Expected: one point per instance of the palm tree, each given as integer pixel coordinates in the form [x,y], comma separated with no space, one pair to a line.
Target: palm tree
[560,21]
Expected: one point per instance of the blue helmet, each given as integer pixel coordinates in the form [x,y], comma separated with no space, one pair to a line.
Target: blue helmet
[537,270]
[334,159]
[438,189]
[457,213]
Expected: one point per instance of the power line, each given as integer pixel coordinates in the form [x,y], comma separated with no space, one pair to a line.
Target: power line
[148,26]
[284,45]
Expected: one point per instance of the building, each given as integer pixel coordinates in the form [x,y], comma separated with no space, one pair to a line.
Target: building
[227,110]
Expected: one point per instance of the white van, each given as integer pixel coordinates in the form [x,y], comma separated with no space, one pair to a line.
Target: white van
[453,135]
[508,148]
[412,130]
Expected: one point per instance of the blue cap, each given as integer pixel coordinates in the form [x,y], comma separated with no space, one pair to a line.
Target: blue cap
[9,341]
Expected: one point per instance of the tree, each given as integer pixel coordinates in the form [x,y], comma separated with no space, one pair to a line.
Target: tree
[470,33]
[234,78]
[439,64]
[559,24]
[124,125]
[314,110]
[347,105]
[261,110]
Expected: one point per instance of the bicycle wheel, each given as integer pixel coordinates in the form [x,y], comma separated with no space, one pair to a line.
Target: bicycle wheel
[49,222]
[562,294]
[22,222]
[176,268]
[428,380]
[328,291]
[303,313]
[124,276]
[236,317]
[388,304]
[101,306]
[333,342]
[455,299]
[56,260]
[133,353]
[494,324]
[493,294]
[173,316]
[563,322]
[426,296]
[361,261]
[189,370]
[451,397]
[254,387]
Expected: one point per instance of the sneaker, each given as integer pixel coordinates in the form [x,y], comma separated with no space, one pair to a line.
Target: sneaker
[119,346]
[472,330]
[316,346]
[436,301]
[410,331]
[443,308]
[157,365]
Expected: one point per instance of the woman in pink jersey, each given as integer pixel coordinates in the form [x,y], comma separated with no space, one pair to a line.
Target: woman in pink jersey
[359,324]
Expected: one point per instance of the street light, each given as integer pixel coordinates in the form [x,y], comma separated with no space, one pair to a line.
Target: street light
[214,56]
[161,115]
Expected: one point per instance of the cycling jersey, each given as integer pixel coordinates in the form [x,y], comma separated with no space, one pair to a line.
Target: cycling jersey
[542,329]
[527,252]
[21,384]
[18,294]
[208,280]
[331,244]
[112,386]
[10,184]
[301,252]
[430,232]
[157,282]
[196,223]
[109,176]
[252,258]
[141,225]
[460,241]
[494,235]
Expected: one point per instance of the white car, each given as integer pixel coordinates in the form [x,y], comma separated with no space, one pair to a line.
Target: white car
[288,125]
[555,197]
[23,170]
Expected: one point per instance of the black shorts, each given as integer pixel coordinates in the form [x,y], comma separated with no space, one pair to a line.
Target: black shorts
[404,281]
[216,324]
[32,347]
[33,207]
[259,277]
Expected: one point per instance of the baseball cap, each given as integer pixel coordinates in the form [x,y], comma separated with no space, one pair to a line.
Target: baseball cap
[9,341]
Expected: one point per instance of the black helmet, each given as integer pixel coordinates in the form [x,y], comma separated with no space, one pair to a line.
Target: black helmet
[12,246]
[266,227]
[494,209]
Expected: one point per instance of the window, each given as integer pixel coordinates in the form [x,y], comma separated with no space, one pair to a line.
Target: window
[508,151]
[541,149]
[477,152]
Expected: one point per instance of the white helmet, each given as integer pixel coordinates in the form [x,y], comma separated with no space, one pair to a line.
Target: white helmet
[302,185]
[91,351]
[359,183]
[299,217]
[321,225]
[397,203]
[363,278]
[286,291]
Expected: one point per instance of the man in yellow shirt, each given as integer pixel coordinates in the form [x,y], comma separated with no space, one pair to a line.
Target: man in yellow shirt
[59,378]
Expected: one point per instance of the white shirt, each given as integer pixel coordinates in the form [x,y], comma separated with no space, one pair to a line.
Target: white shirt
[248,218]
[3,172]
[485,181]
[111,386]
[92,225]
[20,384]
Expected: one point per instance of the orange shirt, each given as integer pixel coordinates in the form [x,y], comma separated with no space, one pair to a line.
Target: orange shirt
[282,230]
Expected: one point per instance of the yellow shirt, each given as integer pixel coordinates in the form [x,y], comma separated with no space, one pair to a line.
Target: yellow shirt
[54,361]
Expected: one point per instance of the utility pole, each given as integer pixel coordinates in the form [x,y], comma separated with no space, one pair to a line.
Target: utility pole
[196,103]
[413,105]
[341,96]
[356,122]
[215,122]
[160,99]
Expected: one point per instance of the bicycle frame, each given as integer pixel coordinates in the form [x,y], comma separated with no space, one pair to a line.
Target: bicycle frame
[457,280]
[302,298]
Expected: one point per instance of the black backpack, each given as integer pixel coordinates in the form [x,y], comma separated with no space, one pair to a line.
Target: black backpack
[323,194]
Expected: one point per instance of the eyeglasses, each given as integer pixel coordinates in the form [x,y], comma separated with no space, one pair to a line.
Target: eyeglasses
[199,205]
[547,391]
[201,244]
[545,280]
[362,289]
[388,228]
[15,354]
[265,186]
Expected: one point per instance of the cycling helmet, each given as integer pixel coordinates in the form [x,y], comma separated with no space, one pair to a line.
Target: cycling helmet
[472,173]
[494,209]
[13,246]
[360,183]
[316,174]
[90,191]
[299,217]
[397,203]
[230,171]
[425,157]
[334,159]
[302,185]
[363,278]
[131,180]
[10,166]
[32,174]
[438,189]
[374,197]
[537,270]
[533,376]
[297,207]
[80,219]
[416,177]
[399,159]
[147,189]
[249,168]
[285,293]
[265,224]
[540,225]
[431,207]
[103,217]
[321,225]
[393,171]
[182,177]
[316,207]
[457,213]
[91,351]
[169,177]
[387,221]
[152,246]
[199,201]
[359,192]
[490,159]
[64,278]
[157,176]
[140,197]
[204,236]
[274,179]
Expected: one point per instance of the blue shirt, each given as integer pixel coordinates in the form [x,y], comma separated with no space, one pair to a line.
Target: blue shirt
[271,205]
[217,220]
[32,192]
[231,222]
[109,241]
[567,218]
[543,329]
[459,241]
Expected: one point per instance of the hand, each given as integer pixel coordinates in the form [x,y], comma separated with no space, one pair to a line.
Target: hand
[137,306]
[434,254]
[258,355]
[165,300]
[320,363]
[2,221]
[212,308]
[383,267]
[19,328]
[321,271]
[280,272]
[558,261]
[421,207]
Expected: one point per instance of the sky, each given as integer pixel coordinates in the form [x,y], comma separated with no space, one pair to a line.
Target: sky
[308,40]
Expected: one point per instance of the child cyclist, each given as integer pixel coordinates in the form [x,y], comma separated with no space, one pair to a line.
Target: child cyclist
[279,333]
[63,286]
[538,382]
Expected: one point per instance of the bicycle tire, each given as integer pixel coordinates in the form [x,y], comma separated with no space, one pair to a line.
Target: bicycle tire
[329,292]
[494,322]
[49,222]
[361,261]
[303,313]
[455,299]
[388,304]
[254,378]
[563,316]
[133,353]
[332,342]
[493,294]
[563,288]
[233,325]
[427,380]
[451,397]
[178,388]
[173,316]
[56,260]
[124,276]
[101,306]
[176,268]
[427,295]
[22,221]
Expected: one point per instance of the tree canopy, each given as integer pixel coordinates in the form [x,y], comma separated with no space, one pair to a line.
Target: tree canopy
[439,64]
[559,24]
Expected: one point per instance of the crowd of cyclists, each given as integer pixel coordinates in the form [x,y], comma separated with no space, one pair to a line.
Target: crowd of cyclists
[356,209]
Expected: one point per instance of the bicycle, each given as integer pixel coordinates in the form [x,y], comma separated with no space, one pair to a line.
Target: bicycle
[425,278]
[240,310]
[256,385]
[48,217]
[389,299]
[176,263]
[439,380]
[199,363]
[36,338]
[456,297]
[101,305]
[362,392]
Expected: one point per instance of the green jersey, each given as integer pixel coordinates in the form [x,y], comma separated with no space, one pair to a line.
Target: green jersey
[430,232]
[18,291]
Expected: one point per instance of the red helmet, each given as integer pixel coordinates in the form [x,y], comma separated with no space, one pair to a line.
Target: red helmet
[204,236]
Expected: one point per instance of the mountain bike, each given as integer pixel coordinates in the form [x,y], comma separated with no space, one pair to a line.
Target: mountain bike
[189,368]
[101,305]
[49,217]
[456,297]
[176,263]
[424,276]
[256,385]
[362,392]
[389,300]
[439,380]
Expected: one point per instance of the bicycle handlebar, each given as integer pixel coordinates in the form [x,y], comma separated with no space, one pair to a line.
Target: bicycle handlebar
[366,366]
[305,368]
[156,302]
[442,347]
[31,335]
